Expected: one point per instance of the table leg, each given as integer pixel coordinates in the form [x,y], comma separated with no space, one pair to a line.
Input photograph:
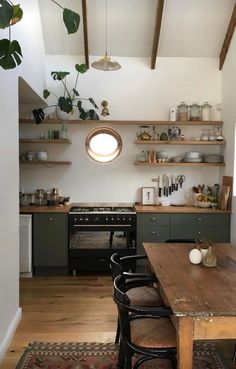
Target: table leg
[185,343]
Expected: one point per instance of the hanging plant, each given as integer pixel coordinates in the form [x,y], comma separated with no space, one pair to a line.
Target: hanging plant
[10,14]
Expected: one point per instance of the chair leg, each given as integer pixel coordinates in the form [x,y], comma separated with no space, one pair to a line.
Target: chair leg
[234,355]
[117,339]
[121,357]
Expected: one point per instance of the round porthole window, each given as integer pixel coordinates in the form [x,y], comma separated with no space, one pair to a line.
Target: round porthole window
[103,144]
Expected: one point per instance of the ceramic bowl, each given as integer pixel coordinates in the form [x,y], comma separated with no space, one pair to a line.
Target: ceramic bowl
[192,155]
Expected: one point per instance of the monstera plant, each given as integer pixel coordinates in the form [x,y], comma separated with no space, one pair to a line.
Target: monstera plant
[70,99]
[10,14]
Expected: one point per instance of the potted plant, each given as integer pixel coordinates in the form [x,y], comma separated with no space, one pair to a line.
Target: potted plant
[10,14]
[70,99]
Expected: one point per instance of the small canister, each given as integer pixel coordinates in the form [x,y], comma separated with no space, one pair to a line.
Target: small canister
[183,112]
[206,111]
[195,112]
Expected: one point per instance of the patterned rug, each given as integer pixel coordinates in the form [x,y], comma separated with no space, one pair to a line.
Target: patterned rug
[40,355]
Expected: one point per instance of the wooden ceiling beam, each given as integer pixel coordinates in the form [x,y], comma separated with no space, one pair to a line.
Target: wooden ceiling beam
[85,27]
[157,32]
[228,37]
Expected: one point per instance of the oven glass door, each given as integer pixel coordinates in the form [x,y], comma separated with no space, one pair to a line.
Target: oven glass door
[87,238]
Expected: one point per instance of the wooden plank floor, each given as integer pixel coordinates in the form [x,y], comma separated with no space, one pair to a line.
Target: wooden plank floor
[78,309]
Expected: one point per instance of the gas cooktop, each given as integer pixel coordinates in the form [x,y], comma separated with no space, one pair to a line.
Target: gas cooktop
[124,209]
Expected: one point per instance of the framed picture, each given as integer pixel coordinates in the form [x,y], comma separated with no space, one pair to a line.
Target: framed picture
[148,195]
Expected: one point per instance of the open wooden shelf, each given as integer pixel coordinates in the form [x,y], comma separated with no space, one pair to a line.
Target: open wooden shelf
[53,141]
[127,122]
[179,142]
[46,162]
[181,164]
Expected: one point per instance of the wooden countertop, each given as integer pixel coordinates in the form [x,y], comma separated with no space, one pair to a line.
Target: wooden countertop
[45,209]
[177,209]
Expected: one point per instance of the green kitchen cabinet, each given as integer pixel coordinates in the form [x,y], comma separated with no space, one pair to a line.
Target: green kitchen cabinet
[158,227]
[152,227]
[50,243]
[214,227]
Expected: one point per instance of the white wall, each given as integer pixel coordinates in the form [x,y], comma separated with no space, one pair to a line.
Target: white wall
[30,69]
[229,116]
[134,93]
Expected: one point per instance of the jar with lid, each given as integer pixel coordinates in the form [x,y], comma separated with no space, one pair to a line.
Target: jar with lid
[40,197]
[195,112]
[183,111]
[206,111]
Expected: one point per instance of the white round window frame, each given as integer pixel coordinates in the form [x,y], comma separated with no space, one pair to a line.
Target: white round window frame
[107,130]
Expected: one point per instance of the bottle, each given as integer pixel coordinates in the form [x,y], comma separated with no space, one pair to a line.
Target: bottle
[64,132]
[172,114]
[209,259]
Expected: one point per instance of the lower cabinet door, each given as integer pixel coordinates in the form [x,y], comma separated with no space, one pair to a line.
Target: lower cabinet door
[50,239]
[151,234]
[215,234]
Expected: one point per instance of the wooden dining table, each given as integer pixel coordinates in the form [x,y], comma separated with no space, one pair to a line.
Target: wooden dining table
[203,299]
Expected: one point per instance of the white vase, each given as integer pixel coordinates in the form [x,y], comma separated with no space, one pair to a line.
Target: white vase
[62,115]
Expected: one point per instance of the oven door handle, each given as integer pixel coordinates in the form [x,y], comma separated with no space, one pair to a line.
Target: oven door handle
[102,225]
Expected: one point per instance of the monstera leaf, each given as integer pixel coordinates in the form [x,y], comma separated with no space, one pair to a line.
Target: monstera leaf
[17,14]
[38,115]
[10,54]
[81,68]
[65,104]
[71,20]
[6,13]
[59,76]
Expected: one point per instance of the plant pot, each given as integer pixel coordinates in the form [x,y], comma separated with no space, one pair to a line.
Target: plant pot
[62,115]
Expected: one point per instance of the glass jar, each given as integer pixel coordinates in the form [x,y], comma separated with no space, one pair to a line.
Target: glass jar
[195,112]
[183,111]
[206,111]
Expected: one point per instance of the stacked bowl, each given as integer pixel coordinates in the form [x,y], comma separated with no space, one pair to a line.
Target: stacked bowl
[192,157]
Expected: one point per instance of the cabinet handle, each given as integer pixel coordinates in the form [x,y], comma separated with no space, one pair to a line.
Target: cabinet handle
[199,232]
[199,219]
[153,219]
[154,232]
[50,219]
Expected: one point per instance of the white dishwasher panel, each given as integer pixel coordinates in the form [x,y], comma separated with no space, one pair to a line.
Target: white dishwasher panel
[25,243]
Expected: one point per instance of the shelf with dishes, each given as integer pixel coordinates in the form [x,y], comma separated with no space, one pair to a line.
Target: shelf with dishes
[47,141]
[127,122]
[45,162]
[180,142]
[179,164]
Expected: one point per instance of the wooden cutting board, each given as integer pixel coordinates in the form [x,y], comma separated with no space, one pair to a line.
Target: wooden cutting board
[226,193]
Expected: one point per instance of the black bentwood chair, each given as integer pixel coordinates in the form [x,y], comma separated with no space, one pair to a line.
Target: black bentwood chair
[148,332]
[145,294]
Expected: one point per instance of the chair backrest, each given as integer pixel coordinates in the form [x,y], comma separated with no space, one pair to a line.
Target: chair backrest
[119,265]
[181,240]
[116,266]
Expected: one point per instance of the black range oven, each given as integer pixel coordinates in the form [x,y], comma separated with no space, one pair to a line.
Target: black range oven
[96,232]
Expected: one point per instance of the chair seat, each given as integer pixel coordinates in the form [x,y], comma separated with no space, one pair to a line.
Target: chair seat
[153,333]
[145,296]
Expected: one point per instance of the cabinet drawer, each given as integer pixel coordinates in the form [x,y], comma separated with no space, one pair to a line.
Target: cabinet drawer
[153,234]
[153,219]
[215,234]
[201,219]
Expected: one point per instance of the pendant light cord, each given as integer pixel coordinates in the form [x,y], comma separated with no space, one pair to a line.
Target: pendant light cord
[106,26]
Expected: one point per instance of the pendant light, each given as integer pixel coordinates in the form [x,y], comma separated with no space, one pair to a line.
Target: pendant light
[106,63]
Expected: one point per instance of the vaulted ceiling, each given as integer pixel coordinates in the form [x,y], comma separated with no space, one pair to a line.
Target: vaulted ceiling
[189,28]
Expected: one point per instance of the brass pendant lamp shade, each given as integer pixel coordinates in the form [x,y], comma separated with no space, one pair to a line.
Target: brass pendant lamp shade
[106,63]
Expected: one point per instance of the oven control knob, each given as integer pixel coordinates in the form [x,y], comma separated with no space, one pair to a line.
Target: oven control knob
[130,219]
[124,219]
[118,219]
[106,219]
[86,219]
[75,219]
[96,219]
[112,219]
[80,219]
